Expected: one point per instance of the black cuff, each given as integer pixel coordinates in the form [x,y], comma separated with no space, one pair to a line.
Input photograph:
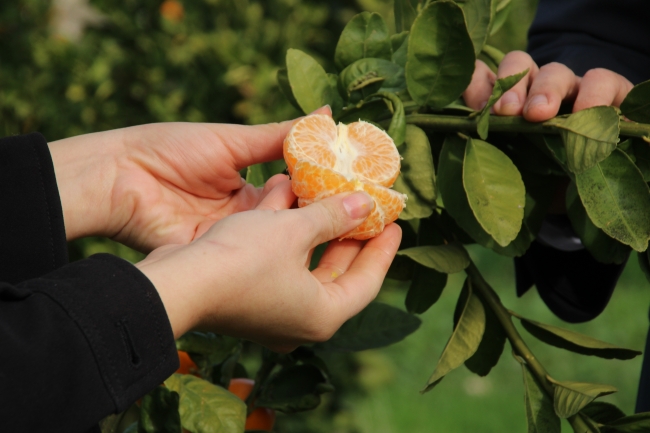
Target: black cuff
[123,320]
[32,241]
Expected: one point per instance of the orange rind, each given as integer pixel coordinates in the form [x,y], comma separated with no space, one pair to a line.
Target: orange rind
[325,159]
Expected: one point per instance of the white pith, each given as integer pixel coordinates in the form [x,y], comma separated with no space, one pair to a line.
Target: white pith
[345,153]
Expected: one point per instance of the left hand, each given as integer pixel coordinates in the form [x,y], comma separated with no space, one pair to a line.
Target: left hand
[151,185]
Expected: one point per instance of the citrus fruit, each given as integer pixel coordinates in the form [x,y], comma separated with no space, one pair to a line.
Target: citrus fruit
[262,418]
[172,10]
[187,365]
[325,159]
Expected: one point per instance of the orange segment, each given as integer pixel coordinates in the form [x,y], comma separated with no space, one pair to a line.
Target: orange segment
[325,159]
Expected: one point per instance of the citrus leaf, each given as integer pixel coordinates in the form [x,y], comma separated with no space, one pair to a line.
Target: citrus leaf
[571,397]
[641,150]
[450,258]
[636,105]
[285,87]
[397,127]
[540,415]
[216,348]
[575,342]
[644,263]
[502,10]
[637,423]
[463,341]
[617,199]
[557,150]
[405,13]
[489,351]
[257,174]
[337,102]
[440,58]
[377,325]
[589,136]
[294,388]
[426,287]
[602,247]
[309,83]
[495,190]
[417,178]
[478,16]
[365,35]
[400,43]
[207,408]
[366,111]
[602,413]
[159,412]
[366,76]
[450,185]
[501,86]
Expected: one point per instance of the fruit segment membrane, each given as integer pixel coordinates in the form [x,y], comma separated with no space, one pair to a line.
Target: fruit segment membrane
[325,159]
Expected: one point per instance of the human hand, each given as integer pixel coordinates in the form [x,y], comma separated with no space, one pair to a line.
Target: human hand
[248,275]
[151,185]
[539,94]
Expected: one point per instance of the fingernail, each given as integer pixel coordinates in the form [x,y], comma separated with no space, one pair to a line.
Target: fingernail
[509,98]
[358,205]
[537,100]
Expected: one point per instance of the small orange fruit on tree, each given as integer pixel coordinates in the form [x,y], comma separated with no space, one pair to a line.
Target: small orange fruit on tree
[325,159]
[261,418]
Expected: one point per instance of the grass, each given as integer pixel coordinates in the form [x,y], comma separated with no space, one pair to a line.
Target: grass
[464,402]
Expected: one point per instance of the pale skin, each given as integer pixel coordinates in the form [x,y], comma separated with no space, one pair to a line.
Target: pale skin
[537,97]
[224,256]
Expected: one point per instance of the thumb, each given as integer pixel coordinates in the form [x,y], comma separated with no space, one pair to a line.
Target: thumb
[334,216]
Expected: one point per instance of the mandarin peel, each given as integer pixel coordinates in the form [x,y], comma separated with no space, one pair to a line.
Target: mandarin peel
[325,159]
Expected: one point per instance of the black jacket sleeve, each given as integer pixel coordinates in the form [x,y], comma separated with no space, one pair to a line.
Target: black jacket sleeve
[79,341]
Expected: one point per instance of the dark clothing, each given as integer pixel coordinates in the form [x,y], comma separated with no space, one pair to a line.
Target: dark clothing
[78,341]
[586,34]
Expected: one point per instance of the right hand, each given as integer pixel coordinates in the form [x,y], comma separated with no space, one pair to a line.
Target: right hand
[537,97]
[248,275]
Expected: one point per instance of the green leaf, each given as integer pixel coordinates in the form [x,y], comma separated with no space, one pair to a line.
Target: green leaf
[426,287]
[215,347]
[365,35]
[641,151]
[309,83]
[489,351]
[295,388]
[495,190]
[365,111]
[159,412]
[602,413]
[644,263]
[501,86]
[575,342]
[502,10]
[450,258]
[257,174]
[377,325]
[590,136]
[397,127]
[440,58]
[337,102]
[571,397]
[617,199]
[450,185]
[400,47]
[540,415]
[207,408]
[463,341]
[637,423]
[636,105]
[405,14]
[557,150]
[365,77]
[417,178]
[600,246]
[285,87]
[478,16]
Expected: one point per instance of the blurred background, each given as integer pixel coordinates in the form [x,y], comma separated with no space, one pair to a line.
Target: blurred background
[70,67]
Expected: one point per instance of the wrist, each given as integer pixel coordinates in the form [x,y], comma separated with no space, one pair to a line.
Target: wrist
[85,168]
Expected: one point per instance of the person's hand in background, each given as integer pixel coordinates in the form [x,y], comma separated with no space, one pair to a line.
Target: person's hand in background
[538,96]
[248,275]
[151,185]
